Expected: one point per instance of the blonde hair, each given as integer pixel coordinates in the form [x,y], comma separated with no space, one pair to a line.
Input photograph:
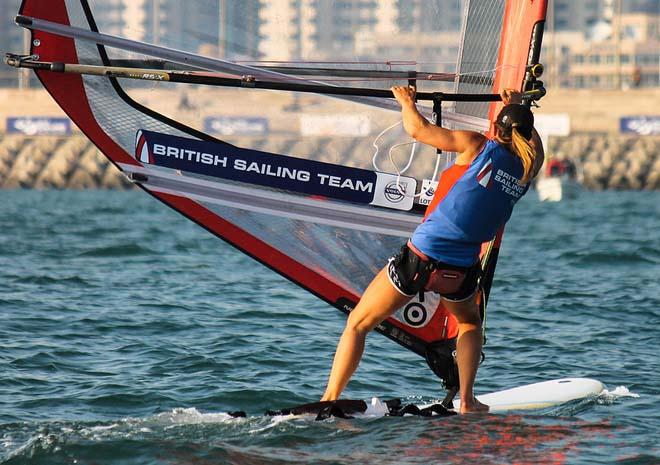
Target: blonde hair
[521,148]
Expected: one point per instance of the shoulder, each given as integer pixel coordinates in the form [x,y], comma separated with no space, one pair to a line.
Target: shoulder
[472,139]
[473,144]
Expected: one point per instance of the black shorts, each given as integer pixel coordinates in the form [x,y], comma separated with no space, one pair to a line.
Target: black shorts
[409,273]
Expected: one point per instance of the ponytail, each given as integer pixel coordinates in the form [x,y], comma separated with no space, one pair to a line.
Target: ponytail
[523,150]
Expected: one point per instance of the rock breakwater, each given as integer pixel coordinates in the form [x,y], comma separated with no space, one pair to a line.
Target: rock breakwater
[72,162]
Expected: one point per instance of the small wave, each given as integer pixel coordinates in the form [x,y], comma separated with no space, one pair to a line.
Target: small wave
[16,449]
[609,397]
[45,280]
[182,417]
[569,294]
[613,258]
[124,250]
[273,422]
[640,459]
[192,416]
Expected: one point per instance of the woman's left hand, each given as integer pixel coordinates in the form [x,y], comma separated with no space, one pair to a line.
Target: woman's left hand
[511,96]
[405,95]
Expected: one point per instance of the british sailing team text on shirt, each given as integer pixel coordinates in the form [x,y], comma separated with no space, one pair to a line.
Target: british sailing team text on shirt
[510,184]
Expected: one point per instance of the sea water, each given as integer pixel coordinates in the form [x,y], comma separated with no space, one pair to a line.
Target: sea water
[128,333]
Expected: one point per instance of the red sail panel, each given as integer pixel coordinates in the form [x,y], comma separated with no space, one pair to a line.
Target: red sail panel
[522,19]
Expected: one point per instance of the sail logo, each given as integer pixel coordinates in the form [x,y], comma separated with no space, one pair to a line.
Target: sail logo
[142,152]
[415,314]
[224,161]
[428,191]
[394,192]
[153,77]
[419,312]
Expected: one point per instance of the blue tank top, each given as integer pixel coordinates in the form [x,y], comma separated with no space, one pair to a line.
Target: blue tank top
[474,209]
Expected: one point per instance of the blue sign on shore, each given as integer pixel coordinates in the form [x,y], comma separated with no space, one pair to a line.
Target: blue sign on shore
[236,125]
[642,125]
[38,125]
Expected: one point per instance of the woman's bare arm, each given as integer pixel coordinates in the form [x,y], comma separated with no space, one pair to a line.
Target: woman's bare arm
[420,129]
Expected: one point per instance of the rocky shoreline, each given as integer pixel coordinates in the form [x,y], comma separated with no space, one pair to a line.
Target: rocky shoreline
[611,161]
[47,162]
[72,162]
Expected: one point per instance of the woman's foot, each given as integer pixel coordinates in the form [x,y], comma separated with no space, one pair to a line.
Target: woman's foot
[473,406]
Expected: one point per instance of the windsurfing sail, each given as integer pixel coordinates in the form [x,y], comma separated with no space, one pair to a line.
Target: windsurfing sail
[256,120]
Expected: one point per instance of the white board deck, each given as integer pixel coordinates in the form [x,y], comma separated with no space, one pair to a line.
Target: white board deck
[540,395]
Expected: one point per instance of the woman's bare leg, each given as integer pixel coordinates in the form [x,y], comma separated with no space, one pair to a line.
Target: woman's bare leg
[378,302]
[468,350]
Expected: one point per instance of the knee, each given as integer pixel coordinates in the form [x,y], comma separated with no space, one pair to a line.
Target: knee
[360,322]
[470,321]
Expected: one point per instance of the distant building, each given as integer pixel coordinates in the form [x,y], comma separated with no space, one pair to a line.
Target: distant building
[335,28]
[556,56]
[11,36]
[571,15]
[12,39]
[641,6]
[224,28]
[628,56]
[287,29]
[587,43]
[439,48]
[310,29]
[428,16]
[110,16]
[239,24]
[171,23]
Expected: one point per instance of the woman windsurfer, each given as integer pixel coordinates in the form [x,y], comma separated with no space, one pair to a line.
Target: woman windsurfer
[443,253]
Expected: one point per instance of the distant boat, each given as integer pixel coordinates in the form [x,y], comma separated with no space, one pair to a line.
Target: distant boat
[558,182]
